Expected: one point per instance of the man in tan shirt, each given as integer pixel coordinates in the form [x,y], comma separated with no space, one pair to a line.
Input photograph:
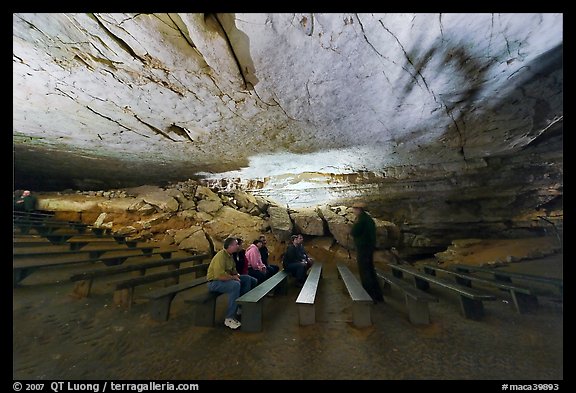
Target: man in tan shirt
[222,277]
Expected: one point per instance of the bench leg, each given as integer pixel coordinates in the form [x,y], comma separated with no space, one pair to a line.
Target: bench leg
[160,308]
[282,287]
[361,314]
[82,288]
[396,273]
[206,313]
[421,284]
[523,302]
[498,277]
[429,271]
[463,281]
[386,287]
[418,312]
[20,274]
[252,317]
[307,314]
[471,309]
[123,297]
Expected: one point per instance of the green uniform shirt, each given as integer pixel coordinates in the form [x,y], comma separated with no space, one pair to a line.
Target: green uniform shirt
[364,232]
[222,263]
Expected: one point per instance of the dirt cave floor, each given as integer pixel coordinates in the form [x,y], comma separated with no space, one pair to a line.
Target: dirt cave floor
[57,336]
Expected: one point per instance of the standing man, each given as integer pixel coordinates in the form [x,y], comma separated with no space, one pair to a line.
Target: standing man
[364,234]
[222,277]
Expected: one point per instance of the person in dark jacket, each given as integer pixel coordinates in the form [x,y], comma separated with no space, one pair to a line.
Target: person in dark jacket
[364,234]
[25,202]
[264,254]
[294,260]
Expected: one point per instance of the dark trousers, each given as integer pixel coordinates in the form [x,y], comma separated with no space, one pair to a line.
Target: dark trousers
[258,275]
[297,270]
[272,269]
[365,258]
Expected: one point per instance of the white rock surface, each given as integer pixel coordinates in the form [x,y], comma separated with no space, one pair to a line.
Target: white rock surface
[292,98]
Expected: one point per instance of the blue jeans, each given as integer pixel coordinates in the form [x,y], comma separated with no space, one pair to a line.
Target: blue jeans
[234,289]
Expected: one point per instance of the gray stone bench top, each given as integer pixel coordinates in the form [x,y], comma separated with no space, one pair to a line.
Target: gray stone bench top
[308,292]
[355,289]
[254,295]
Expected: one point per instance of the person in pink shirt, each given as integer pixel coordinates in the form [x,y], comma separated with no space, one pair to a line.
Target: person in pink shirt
[256,267]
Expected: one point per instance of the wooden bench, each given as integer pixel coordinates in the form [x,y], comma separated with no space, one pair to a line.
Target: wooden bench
[85,279]
[305,300]
[523,298]
[505,276]
[48,226]
[91,253]
[416,300]
[471,299]
[161,300]
[124,289]
[361,300]
[22,269]
[72,244]
[79,239]
[252,304]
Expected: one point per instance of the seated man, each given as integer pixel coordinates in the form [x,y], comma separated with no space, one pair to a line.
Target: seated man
[295,260]
[222,277]
[273,269]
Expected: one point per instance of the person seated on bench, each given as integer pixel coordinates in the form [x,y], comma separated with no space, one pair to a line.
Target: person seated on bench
[240,258]
[223,278]
[296,261]
[264,254]
[256,268]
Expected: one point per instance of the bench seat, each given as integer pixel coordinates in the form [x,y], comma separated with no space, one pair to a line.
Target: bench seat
[161,299]
[416,300]
[523,298]
[124,289]
[505,276]
[361,300]
[85,279]
[251,301]
[307,296]
[471,299]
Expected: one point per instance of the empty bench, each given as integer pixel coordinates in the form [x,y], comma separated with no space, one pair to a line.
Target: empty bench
[307,296]
[523,298]
[85,279]
[124,289]
[22,269]
[252,304]
[502,275]
[361,300]
[46,252]
[471,299]
[416,300]
[161,301]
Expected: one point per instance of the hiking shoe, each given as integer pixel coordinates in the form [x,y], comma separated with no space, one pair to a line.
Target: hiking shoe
[232,323]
